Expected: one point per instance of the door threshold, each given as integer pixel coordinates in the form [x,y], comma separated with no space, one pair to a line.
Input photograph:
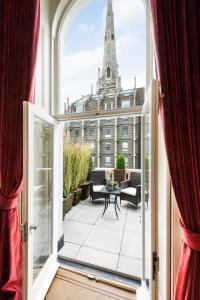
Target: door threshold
[99,275]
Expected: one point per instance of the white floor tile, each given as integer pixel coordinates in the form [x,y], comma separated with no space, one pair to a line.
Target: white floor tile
[106,239]
[109,220]
[131,244]
[69,250]
[98,258]
[76,232]
[128,265]
[73,211]
[87,215]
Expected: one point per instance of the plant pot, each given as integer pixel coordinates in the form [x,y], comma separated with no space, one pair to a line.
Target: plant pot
[77,196]
[67,204]
[116,186]
[85,190]
[110,188]
[119,175]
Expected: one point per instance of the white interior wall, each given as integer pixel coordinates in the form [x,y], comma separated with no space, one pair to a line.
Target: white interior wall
[42,90]
[43,97]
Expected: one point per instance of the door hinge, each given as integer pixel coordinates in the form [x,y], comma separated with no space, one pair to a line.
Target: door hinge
[155,265]
[24,232]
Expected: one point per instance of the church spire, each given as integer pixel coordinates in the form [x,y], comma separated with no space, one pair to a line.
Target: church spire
[109,80]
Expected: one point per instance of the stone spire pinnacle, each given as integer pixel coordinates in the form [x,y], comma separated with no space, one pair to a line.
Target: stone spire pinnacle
[109,80]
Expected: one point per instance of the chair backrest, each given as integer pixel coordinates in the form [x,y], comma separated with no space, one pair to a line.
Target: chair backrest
[98,177]
[135,178]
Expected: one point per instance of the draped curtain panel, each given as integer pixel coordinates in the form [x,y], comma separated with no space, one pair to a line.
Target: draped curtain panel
[19,30]
[177,49]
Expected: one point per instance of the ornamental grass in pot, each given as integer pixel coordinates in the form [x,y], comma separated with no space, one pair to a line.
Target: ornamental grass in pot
[119,172]
[80,168]
[67,176]
[75,171]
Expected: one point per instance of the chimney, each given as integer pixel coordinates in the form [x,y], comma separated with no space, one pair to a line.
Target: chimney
[92,89]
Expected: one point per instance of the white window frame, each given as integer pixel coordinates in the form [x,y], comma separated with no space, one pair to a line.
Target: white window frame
[126,161]
[125,127]
[93,134]
[125,149]
[106,146]
[125,103]
[107,163]
[108,135]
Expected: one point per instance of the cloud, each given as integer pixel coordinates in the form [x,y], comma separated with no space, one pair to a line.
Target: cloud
[82,62]
[86,28]
[125,40]
[126,13]
[79,71]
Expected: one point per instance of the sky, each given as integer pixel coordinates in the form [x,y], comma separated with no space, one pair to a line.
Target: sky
[83,44]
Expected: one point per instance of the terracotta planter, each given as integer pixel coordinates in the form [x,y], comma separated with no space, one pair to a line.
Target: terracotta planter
[119,175]
[67,204]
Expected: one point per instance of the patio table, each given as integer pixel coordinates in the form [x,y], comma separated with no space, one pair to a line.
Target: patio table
[107,193]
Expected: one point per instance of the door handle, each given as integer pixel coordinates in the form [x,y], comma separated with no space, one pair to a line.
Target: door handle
[33,227]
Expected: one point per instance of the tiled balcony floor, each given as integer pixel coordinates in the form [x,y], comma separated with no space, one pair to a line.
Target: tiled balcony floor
[105,242]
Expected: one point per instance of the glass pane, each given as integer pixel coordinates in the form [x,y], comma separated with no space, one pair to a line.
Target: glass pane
[42,195]
[147,172]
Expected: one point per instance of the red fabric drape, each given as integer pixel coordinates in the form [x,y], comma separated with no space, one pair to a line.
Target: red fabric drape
[19,29]
[177,46]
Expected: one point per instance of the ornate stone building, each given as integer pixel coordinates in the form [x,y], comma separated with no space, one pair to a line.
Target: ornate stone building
[113,135]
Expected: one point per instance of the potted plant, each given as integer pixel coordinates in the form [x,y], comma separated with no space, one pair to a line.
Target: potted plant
[110,185]
[67,176]
[115,185]
[86,184]
[80,166]
[119,172]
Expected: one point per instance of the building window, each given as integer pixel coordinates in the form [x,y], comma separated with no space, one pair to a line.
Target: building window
[77,133]
[126,161]
[125,146]
[79,108]
[92,122]
[108,147]
[107,132]
[107,160]
[123,120]
[125,103]
[91,133]
[124,131]
[108,72]
[108,121]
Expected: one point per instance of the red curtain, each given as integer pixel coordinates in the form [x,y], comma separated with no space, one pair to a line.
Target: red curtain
[19,29]
[177,50]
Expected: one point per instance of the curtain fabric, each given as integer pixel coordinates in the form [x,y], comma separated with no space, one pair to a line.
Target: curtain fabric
[177,50]
[19,30]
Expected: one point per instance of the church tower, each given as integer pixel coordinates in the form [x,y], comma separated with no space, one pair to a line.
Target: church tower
[109,81]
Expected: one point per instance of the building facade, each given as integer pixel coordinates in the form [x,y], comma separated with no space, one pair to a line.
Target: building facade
[114,135]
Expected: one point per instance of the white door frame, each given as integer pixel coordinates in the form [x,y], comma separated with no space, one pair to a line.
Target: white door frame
[39,288]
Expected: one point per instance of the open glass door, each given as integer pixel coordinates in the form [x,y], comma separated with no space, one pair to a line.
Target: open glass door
[149,192]
[39,208]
